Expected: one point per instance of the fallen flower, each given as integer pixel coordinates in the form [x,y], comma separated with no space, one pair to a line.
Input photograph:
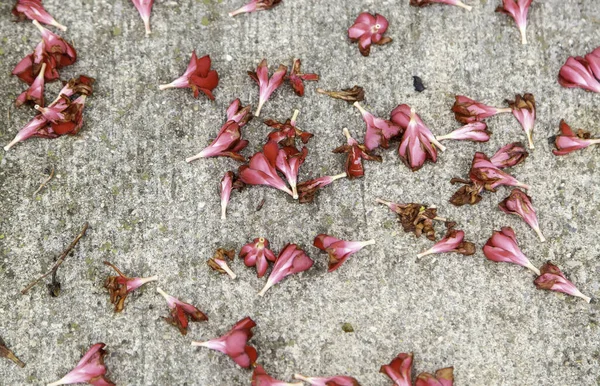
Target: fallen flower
[8,354]
[350,95]
[475,131]
[261,169]
[442,377]
[227,144]
[144,7]
[593,60]
[308,189]
[469,193]
[291,260]
[29,67]
[181,312]
[285,133]
[255,5]
[519,203]
[257,254]
[120,286]
[57,47]
[267,86]
[518,10]
[422,3]
[225,188]
[34,10]
[338,380]
[297,78]
[35,128]
[241,115]
[523,108]
[399,369]
[577,72]
[368,29]
[509,155]
[418,143]
[338,250]
[415,218]
[234,343]
[219,261]
[502,248]
[466,110]
[289,159]
[356,153]
[379,131]
[568,141]
[453,241]
[551,278]
[261,378]
[90,369]
[483,172]
[35,93]
[198,76]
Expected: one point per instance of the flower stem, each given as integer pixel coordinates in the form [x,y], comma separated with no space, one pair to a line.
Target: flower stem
[463,5]
[11,144]
[163,293]
[580,295]
[294,192]
[294,117]
[530,139]
[443,137]
[523,35]
[368,242]
[360,108]
[338,176]
[260,105]
[223,211]
[302,378]
[165,86]
[265,288]
[533,268]
[59,26]
[540,235]
[228,270]
[147,25]
[347,133]
[438,145]
[442,219]
[380,201]
[504,110]
[193,158]
[427,252]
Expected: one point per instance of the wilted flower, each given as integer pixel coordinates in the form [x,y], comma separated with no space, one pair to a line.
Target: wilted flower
[469,193]
[338,250]
[297,78]
[379,131]
[144,7]
[502,248]
[285,133]
[198,77]
[399,369]
[475,131]
[518,10]
[289,159]
[356,153]
[415,218]
[291,260]
[466,110]
[453,241]
[255,5]
[90,369]
[338,380]
[593,60]
[519,203]
[267,86]
[523,108]
[350,95]
[181,312]
[57,47]
[483,172]
[8,354]
[227,144]
[577,72]
[29,67]
[261,169]
[241,115]
[368,29]
[261,378]
[234,343]
[552,279]
[120,286]
[422,3]
[219,261]
[257,254]
[34,10]
[442,377]
[568,141]
[35,93]
[509,155]
[308,189]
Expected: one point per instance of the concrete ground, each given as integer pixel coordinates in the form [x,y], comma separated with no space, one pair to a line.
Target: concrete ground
[150,213]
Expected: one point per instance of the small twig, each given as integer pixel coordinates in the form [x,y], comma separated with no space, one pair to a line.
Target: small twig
[260,205]
[60,259]
[45,182]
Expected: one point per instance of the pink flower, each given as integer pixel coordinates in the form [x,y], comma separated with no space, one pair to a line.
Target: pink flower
[593,60]
[288,162]
[181,312]
[509,155]
[261,169]
[523,108]
[577,72]
[466,110]
[338,250]
[297,78]
[379,131]
[35,93]
[356,154]
[234,343]
[308,189]
[338,380]
[568,141]
[267,86]
[285,133]
[144,7]
[475,131]
[34,10]
[485,173]
[227,144]
[120,286]
[518,10]
[442,377]
[422,3]
[228,182]
[255,5]
[453,241]
[57,47]
[368,29]
[502,248]
[552,279]
[257,253]
[399,369]
[219,261]
[198,76]
[291,260]
[241,115]
[519,203]
[90,369]
[261,378]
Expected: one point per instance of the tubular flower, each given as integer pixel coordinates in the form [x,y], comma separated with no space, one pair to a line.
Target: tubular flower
[261,169]
[519,203]
[198,77]
[90,369]
[356,153]
[453,241]
[255,5]
[338,380]
[399,369]
[227,144]
[552,279]
[509,155]
[120,286]
[297,78]
[257,254]
[483,172]
[288,162]
[442,377]
[518,10]
[267,86]
[308,189]
[502,248]
[350,95]
[234,343]
[144,7]
[338,250]
[57,47]
[181,312]
[35,93]
[261,378]
[415,218]
[228,182]
[523,108]
[291,260]
[581,72]
[466,110]
[379,131]
[241,115]
[34,10]
[568,141]
[8,354]
[219,261]
[476,132]
[368,29]
[423,3]
[286,133]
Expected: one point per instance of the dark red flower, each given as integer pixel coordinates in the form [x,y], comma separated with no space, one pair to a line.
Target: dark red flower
[423,3]
[475,131]
[34,10]
[350,95]
[90,369]
[261,378]
[415,218]
[442,377]
[257,254]
[261,170]
[356,153]
[144,8]
[285,133]
[577,72]
[35,93]
[518,10]
[509,155]
[338,380]
[120,286]
[379,131]
[227,144]
[198,77]
[219,261]
[466,110]
[291,260]
[399,369]
[181,312]
[523,108]
[569,141]
[308,189]
[453,241]
[338,250]
[368,29]
[297,78]
[519,203]
[267,86]
[30,66]
[255,5]
[502,247]
[551,278]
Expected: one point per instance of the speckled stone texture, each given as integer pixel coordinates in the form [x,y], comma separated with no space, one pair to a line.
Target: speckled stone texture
[150,213]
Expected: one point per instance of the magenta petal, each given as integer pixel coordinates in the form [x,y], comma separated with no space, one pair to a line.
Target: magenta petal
[291,260]
[502,247]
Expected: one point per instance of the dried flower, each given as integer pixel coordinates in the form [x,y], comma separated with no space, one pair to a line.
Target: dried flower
[241,115]
[219,261]
[289,159]
[291,260]
[368,29]
[552,279]
[523,108]
[466,110]
[467,194]
[308,189]
[399,369]
[261,169]
[34,10]
[577,72]
[144,7]
[415,218]
[120,286]
[338,380]
[350,95]
[227,144]
[181,312]
[379,131]
[475,131]
[267,86]
[255,5]
[483,172]
[198,76]
[518,10]
[442,377]
[261,378]
[509,155]
[57,47]
[35,93]
[297,78]
[568,141]
[356,153]
[257,254]
[418,143]
[285,133]
[8,354]
[423,3]
[90,369]
[338,250]
[453,241]
[519,203]
[502,248]
[234,343]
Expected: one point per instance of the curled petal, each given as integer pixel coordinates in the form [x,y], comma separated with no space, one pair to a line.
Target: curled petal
[576,72]
[227,144]
[379,131]
[261,378]
[551,278]
[291,260]
[120,286]
[200,78]
[297,78]
[261,169]
[523,109]
[267,86]
[219,261]
[90,369]
[442,377]
[418,143]
[34,10]
[35,93]
[63,53]
[338,250]
[484,173]
[519,203]
[415,218]
[476,132]
[502,248]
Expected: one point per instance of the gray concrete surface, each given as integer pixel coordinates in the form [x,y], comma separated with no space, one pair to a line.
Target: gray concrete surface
[152,214]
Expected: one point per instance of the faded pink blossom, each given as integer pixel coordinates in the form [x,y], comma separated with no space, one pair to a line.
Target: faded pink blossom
[518,10]
[338,380]
[291,260]
[267,86]
[227,144]
[144,7]
[225,188]
[35,93]
[379,131]
[442,377]
[297,78]
[577,72]
[34,10]
[356,154]
[422,3]
[368,29]
[261,169]
[568,141]
[338,250]
[308,189]
[255,5]
[523,108]
[551,278]
[475,131]
[467,110]
[509,155]
[90,369]
[453,241]
[199,77]
[257,254]
[57,47]
[484,173]
[502,248]
[519,203]
[288,162]
[399,369]
[261,378]
[181,312]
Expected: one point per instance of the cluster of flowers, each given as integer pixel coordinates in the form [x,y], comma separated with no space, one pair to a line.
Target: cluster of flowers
[582,72]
